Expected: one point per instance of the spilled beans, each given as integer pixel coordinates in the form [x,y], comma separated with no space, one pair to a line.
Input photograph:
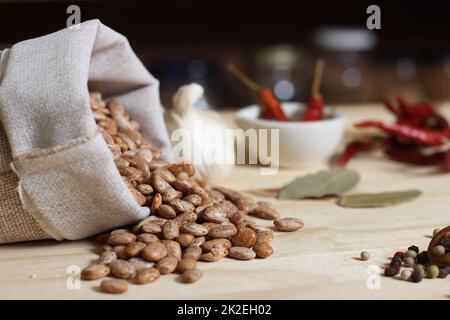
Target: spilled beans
[188,225]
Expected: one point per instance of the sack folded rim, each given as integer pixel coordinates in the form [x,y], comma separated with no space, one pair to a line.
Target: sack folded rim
[26,165]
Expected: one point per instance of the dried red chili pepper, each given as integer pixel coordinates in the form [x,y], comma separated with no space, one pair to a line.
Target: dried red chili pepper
[446,133]
[352,149]
[407,132]
[417,125]
[414,156]
[266,115]
[446,161]
[418,115]
[411,152]
[270,105]
[314,111]
[391,107]
[437,122]
[421,110]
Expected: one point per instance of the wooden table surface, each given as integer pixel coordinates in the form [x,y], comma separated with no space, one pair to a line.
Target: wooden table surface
[319,262]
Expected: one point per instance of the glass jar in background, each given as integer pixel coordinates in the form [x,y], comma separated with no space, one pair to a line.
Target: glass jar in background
[399,75]
[350,74]
[280,68]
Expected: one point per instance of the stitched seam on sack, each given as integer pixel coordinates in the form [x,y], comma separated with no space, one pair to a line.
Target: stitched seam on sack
[45,152]
[4,54]
[6,171]
[44,223]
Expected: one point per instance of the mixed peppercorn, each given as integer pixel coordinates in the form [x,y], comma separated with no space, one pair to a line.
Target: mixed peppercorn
[420,262]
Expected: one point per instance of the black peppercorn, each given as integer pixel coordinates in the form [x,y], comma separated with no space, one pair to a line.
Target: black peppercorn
[416,276]
[391,271]
[443,272]
[396,261]
[414,248]
[446,243]
[422,258]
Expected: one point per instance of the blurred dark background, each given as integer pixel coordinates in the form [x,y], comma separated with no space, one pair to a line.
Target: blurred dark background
[276,42]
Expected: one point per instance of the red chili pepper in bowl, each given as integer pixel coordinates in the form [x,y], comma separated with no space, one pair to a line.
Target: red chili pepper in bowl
[407,132]
[270,106]
[266,115]
[314,111]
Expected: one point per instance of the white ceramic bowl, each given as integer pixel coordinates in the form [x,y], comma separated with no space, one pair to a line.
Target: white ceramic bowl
[301,144]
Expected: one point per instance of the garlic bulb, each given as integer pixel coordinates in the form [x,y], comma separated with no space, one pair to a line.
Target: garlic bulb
[202,137]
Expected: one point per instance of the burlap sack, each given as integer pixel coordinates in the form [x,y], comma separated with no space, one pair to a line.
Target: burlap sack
[57,176]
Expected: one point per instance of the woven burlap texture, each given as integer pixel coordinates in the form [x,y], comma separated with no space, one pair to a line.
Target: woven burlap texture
[58,177]
[15,223]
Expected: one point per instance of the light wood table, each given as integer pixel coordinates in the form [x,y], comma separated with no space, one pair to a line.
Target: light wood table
[318,262]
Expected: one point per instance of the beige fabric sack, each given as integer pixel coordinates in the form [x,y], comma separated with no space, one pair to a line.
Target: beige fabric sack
[57,176]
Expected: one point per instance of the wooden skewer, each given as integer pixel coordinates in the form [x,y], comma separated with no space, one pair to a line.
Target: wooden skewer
[235,71]
[318,73]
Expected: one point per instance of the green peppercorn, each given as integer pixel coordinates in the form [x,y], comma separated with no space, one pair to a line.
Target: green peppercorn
[447,235]
[409,262]
[432,271]
[410,253]
[439,250]
[416,276]
[419,268]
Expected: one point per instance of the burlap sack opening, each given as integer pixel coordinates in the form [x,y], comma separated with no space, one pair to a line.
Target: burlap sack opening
[57,176]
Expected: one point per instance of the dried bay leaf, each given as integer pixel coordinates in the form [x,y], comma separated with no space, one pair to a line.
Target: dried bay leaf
[319,184]
[374,200]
